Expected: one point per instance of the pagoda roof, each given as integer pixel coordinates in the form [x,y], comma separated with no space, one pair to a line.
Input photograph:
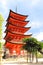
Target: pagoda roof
[14,42]
[9,44]
[17,29]
[16,22]
[17,16]
[13,47]
[14,37]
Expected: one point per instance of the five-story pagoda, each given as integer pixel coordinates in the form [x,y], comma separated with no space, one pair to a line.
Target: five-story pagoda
[15,29]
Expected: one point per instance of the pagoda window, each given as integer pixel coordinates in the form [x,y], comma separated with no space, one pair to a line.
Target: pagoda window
[12,29]
[17,24]
[15,37]
[18,38]
[18,30]
[15,29]
[10,38]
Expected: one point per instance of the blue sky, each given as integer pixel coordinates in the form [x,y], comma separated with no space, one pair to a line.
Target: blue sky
[32,8]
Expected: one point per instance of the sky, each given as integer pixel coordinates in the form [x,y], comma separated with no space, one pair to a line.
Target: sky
[32,8]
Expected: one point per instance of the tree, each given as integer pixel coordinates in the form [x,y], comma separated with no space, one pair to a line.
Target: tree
[0,45]
[1,22]
[29,46]
[40,47]
[32,46]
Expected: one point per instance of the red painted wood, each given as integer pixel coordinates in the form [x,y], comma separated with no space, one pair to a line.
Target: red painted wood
[17,16]
[17,29]
[15,37]
[16,22]
[15,32]
[14,47]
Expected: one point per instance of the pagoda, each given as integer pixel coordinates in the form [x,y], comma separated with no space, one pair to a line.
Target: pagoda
[15,29]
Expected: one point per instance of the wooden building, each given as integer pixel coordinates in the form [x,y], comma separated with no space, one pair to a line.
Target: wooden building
[15,29]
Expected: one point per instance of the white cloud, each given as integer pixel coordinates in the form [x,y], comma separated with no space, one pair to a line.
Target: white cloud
[35,2]
[39,36]
[20,0]
[36,24]
[3,6]
[3,3]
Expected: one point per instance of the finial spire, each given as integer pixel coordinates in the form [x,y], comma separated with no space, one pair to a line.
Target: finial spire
[16,9]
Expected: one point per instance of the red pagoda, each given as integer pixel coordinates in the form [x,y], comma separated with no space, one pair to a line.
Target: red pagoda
[15,29]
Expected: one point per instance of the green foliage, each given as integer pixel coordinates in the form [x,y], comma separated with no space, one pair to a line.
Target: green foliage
[1,18]
[32,45]
[0,45]
[1,22]
[41,44]
[30,40]
[39,55]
